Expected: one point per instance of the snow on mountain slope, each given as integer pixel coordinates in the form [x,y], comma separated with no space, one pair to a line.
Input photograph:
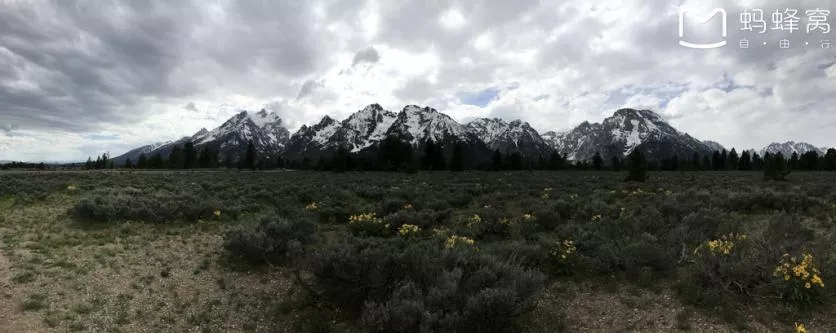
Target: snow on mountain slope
[416,125]
[516,136]
[623,132]
[790,147]
[714,146]
[365,127]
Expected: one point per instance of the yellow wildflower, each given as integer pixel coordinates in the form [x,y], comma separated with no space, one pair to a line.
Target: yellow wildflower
[799,328]
[367,217]
[407,206]
[408,229]
[596,217]
[217,213]
[311,206]
[454,240]
[817,281]
[807,285]
[71,187]
[528,217]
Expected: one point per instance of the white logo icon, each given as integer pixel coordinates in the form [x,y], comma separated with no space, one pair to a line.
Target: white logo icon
[703,20]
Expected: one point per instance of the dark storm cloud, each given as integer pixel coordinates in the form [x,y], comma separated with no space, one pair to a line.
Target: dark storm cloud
[77,65]
[368,54]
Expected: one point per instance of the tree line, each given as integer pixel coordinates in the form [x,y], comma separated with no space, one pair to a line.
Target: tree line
[395,155]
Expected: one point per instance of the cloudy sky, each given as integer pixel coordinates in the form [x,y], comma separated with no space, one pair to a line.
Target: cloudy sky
[79,78]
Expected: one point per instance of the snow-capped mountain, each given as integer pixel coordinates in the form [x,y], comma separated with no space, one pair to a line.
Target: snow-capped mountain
[516,136]
[359,131]
[626,130]
[416,125]
[265,129]
[790,147]
[133,154]
[315,138]
[363,130]
[713,145]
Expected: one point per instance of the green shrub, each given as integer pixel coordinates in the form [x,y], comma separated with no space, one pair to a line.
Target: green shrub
[397,286]
[271,241]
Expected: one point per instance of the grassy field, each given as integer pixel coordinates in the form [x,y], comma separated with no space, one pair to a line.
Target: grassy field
[290,251]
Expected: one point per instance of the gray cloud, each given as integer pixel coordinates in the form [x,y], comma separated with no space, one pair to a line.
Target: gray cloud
[368,54]
[82,66]
[191,107]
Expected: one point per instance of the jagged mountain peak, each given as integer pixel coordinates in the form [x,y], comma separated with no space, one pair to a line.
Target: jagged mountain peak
[418,124]
[621,133]
[789,147]
[509,137]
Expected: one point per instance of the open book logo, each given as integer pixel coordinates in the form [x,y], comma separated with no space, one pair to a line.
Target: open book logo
[703,20]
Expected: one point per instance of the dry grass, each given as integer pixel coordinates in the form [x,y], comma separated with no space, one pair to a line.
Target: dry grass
[129,277]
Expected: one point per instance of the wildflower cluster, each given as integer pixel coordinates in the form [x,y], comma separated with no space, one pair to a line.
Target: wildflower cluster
[407,230]
[800,328]
[504,221]
[573,196]
[71,187]
[596,217]
[454,241]
[473,220]
[803,272]
[362,218]
[563,251]
[723,245]
[528,217]
[407,206]
[311,206]
[547,192]
[217,213]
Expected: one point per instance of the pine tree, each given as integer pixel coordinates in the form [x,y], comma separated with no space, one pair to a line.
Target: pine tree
[706,162]
[428,160]
[98,164]
[810,160]
[556,161]
[205,158]
[340,161]
[597,161]
[616,163]
[674,163]
[457,159]
[89,165]
[830,160]
[250,156]
[757,161]
[189,156]
[637,166]
[142,163]
[745,162]
[156,161]
[516,161]
[496,160]
[695,161]
[716,160]
[732,161]
[128,164]
[175,158]
[793,163]
[775,167]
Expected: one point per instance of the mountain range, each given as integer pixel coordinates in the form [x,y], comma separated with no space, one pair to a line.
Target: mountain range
[364,130]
